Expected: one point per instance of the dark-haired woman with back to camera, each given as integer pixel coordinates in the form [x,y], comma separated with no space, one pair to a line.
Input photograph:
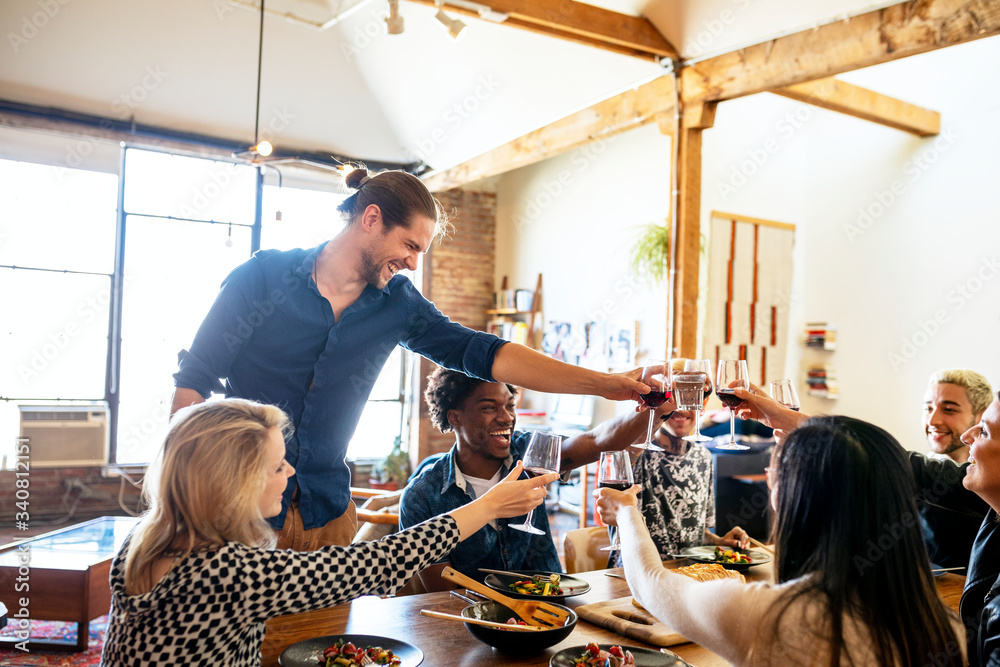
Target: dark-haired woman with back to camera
[838,486]
[310,329]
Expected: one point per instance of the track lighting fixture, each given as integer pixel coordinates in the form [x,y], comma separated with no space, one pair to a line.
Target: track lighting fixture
[454,26]
[394,21]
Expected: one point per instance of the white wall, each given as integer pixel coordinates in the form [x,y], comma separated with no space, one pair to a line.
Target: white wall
[885,266]
[890,280]
[574,217]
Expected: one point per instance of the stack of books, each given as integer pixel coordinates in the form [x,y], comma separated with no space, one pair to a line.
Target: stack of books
[821,335]
[516,332]
[822,381]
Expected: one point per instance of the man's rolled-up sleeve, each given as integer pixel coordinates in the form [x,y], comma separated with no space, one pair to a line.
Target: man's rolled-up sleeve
[432,335]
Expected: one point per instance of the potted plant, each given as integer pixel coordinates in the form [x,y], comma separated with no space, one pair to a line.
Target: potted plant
[391,473]
[650,253]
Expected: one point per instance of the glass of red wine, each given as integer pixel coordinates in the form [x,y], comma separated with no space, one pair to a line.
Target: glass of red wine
[733,375]
[695,371]
[541,457]
[656,374]
[614,471]
[783,391]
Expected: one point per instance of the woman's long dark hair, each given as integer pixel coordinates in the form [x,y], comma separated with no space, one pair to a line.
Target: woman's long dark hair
[847,517]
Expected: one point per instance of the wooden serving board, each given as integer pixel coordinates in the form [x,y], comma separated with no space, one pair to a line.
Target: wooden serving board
[623,617]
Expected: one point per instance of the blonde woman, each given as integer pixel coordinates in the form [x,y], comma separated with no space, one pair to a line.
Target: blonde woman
[197,578]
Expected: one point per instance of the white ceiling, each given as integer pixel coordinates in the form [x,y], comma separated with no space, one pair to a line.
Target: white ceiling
[351,89]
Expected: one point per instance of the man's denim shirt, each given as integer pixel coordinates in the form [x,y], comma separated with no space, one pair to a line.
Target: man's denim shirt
[442,487]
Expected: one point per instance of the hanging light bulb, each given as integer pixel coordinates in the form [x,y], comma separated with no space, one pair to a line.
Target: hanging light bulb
[264,148]
[229,239]
[394,22]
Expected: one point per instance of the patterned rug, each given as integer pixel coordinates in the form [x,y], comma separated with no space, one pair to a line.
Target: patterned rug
[62,632]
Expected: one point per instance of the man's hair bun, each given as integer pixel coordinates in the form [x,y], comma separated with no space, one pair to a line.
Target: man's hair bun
[353,178]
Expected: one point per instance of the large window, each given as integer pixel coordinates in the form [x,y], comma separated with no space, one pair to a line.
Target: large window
[57,249]
[187,223]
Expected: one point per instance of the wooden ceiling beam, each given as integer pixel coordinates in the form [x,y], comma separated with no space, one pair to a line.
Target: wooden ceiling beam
[866,104]
[875,37]
[648,103]
[579,22]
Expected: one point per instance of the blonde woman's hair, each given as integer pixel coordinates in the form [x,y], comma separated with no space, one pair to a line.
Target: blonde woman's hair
[977,387]
[204,488]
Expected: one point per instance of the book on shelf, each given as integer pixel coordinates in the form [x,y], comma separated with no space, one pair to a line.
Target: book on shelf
[516,332]
[822,381]
[820,335]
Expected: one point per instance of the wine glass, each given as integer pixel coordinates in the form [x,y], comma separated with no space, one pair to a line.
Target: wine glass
[615,472]
[656,374]
[783,391]
[733,375]
[541,458]
[696,380]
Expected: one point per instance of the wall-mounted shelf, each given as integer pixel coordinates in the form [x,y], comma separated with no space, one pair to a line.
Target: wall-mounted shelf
[821,376]
[517,325]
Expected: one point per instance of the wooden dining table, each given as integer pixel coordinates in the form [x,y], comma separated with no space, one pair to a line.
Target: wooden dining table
[449,643]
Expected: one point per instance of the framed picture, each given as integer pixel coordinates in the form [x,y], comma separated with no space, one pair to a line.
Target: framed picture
[621,346]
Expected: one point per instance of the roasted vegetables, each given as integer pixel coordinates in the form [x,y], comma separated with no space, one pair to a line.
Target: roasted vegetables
[538,585]
[730,556]
[594,656]
[346,654]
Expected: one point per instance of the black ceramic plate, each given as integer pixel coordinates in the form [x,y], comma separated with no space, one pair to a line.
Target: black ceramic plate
[308,653]
[644,657]
[571,585]
[706,554]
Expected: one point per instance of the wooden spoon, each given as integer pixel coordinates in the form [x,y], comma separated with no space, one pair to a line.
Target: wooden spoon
[490,624]
[531,612]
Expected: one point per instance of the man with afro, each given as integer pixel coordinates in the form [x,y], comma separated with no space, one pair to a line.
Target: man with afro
[482,416]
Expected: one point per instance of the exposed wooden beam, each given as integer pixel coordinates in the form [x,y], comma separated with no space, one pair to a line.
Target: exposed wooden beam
[868,39]
[694,120]
[866,104]
[580,22]
[648,103]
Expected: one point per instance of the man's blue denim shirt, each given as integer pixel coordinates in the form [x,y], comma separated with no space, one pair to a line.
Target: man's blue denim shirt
[441,488]
[273,338]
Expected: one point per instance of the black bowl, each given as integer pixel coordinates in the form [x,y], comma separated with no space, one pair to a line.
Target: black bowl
[513,641]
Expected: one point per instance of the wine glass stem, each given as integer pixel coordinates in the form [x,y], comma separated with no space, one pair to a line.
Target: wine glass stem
[649,432]
[697,423]
[732,427]
[527,519]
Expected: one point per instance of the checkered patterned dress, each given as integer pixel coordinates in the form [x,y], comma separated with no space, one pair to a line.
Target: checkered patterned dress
[210,609]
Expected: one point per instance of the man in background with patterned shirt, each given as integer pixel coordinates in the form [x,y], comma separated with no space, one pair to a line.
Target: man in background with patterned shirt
[677,500]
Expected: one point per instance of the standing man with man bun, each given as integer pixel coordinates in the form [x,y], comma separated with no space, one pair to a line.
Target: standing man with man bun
[308,331]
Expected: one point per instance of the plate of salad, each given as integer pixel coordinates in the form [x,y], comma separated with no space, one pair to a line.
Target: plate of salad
[732,559]
[350,651]
[534,585]
[614,655]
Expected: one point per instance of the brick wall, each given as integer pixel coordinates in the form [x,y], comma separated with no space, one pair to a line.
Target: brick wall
[53,494]
[459,280]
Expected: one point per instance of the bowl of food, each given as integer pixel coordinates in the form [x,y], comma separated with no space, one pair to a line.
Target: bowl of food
[514,641]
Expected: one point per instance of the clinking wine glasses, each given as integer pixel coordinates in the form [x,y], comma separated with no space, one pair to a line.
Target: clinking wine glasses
[783,391]
[733,375]
[691,387]
[656,374]
[541,457]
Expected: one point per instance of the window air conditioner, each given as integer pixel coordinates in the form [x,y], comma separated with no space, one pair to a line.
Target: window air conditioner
[65,435]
